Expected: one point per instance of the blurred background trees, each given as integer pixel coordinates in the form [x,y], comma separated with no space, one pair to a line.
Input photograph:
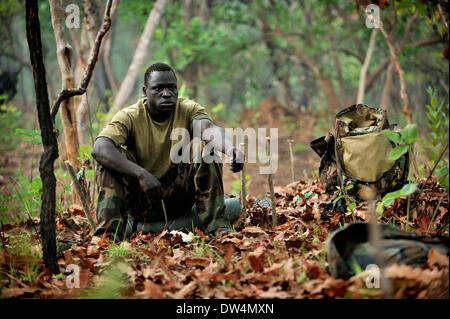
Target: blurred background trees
[231,56]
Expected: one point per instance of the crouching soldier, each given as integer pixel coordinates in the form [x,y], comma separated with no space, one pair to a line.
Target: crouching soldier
[140,186]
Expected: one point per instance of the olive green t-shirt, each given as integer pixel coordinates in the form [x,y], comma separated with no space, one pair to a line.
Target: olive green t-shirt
[134,129]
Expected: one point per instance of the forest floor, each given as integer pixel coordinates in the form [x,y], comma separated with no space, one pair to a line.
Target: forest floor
[254,261]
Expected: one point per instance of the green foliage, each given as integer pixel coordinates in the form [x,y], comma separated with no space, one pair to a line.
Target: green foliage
[389,198]
[29,136]
[84,152]
[437,137]
[9,123]
[112,283]
[300,147]
[404,139]
[237,185]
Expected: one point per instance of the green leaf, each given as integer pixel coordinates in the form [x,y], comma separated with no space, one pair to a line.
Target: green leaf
[393,136]
[80,173]
[29,136]
[90,173]
[380,208]
[408,189]
[85,152]
[443,177]
[389,198]
[337,198]
[409,133]
[397,152]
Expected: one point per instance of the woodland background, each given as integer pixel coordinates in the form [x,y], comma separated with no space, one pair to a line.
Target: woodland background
[262,63]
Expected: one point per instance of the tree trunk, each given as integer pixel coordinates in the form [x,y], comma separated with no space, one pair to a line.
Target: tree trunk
[385,96]
[68,111]
[50,154]
[190,72]
[394,58]
[128,82]
[86,44]
[365,67]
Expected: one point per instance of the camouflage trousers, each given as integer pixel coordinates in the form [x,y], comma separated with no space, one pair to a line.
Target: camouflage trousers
[184,185]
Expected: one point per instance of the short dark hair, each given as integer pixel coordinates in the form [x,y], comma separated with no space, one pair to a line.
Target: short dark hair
[157,67]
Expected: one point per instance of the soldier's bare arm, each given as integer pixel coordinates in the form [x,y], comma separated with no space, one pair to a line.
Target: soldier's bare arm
[223,144]
[107,154]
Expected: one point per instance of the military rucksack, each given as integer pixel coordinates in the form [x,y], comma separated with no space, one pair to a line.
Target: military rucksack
[356,153]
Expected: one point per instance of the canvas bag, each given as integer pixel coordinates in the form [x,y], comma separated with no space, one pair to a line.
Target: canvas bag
[356,153]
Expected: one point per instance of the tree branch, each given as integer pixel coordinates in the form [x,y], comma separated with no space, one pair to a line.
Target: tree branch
[65,94]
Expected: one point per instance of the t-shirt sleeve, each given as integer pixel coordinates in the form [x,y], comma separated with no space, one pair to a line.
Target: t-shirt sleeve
[199,113]
[119,129]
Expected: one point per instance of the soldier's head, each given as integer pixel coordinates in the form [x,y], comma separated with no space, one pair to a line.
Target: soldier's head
[160,89]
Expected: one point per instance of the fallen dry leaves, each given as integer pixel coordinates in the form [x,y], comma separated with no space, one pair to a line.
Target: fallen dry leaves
[256,261]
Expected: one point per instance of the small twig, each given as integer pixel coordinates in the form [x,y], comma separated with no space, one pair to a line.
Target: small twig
[435,212]
[408,208]
[2,236]
[80,194]
[244,214]
[165,213]
[291,155]
[375,238]
[272,193]
[437,162]
[243,190]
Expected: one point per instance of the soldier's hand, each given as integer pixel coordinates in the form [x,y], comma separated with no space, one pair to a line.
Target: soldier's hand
[150,185]
[237,162]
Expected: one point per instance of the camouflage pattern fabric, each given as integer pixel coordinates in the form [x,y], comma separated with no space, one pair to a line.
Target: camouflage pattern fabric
[349,248]
[184,185]
[186,223]
[351,122]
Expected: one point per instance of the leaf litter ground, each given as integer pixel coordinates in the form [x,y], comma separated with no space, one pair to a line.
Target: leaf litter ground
[255,261]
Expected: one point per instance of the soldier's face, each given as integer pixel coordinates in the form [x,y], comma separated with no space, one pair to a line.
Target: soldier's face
[161,92]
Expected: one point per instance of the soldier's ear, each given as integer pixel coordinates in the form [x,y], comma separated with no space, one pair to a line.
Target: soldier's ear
[144,89]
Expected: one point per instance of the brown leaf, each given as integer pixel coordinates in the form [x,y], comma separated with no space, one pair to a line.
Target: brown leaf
[253,230]
[151,290]
[18,292]
[186,291]
[228,253]
[424,276]
[423,221]
[437,258]
[197,261]
[256,260]
[335,219]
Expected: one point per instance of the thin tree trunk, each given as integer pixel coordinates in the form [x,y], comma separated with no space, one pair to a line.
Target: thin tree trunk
[386,95]
[87,43]
[68,111]
[50,154]
[405,110]
[190,71]
[365,67]
[139,56]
